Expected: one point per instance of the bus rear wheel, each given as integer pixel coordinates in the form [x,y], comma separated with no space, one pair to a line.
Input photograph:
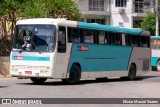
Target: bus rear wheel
[38,80]
[158,66]
[74,75]
[132,72]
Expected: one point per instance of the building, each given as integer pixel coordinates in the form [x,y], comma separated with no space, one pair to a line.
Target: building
[125,13]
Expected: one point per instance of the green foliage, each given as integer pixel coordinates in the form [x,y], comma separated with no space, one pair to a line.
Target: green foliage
[40,8]
[34,9]
[8,7]
[65,8]
[149,23]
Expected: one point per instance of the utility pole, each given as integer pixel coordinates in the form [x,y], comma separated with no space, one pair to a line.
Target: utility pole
[157,21]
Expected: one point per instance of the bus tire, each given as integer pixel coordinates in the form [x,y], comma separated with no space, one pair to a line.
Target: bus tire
[132,72]
[74,75]
[38,80]
[158,66]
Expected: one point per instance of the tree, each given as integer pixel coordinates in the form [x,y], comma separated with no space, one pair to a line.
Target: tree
[63,9]
[34,9]
[50,8]
[11,10]
[149,23]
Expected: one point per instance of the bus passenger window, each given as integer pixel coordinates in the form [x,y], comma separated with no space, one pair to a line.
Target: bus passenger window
[74,35]
[88,36]
[62,40]
[134,41]
[101,37]
[158,43]
[145,41]
[155,43]
[128,40]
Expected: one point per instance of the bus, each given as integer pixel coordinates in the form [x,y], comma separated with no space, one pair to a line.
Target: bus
[46,48]
[155,45]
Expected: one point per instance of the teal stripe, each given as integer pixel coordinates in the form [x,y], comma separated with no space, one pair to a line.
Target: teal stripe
[32,58]
[101,57]
[155,37]
[109,28]
[154,61]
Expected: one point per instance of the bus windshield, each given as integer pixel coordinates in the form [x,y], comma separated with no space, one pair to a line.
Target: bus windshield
[37,38]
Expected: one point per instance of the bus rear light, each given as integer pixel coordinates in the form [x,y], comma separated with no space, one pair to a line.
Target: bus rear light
[28,72]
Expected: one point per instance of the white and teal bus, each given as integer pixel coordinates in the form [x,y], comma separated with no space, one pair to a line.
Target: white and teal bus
[155,43]
[46,48]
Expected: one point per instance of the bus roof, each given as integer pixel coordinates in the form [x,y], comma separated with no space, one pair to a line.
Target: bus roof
[155,37]
[113,28]
[64,22]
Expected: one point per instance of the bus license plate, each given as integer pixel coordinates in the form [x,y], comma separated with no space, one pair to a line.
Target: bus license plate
[28,72]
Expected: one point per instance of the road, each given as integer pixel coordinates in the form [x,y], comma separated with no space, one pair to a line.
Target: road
[146,86]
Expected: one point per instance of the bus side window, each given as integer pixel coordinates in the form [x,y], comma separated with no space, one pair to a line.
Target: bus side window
[101,37]
[145,41]
[158,44]
[155,43]
[88,36]
[74,35]
[114,38]
[62,40]
[106,37]
[134,41]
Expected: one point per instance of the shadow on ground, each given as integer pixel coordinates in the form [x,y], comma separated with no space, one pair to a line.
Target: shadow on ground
[4,86]
[82,82]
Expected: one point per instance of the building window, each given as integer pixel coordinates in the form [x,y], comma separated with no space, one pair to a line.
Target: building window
[121,3]
[139,6]
[99,21]
[96,5]
[136,23]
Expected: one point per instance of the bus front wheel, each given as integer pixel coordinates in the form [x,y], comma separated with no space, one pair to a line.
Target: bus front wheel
[158,66]
[38,80]
[132,72]
[74,75]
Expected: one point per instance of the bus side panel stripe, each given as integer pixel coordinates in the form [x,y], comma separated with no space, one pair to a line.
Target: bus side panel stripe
[96,58]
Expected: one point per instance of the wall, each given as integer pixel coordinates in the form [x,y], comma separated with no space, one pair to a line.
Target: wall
[4,65]
[125,18]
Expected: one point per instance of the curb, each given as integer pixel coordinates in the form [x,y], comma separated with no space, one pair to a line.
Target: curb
[5,76]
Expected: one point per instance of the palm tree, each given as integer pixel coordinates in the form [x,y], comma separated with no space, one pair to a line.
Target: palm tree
[51,8]
[64,9]
[34,9]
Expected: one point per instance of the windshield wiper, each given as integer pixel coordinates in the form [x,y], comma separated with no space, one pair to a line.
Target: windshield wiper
[17,50]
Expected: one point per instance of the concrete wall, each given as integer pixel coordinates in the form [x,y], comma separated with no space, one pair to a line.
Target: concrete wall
[125,18]
[83,5]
